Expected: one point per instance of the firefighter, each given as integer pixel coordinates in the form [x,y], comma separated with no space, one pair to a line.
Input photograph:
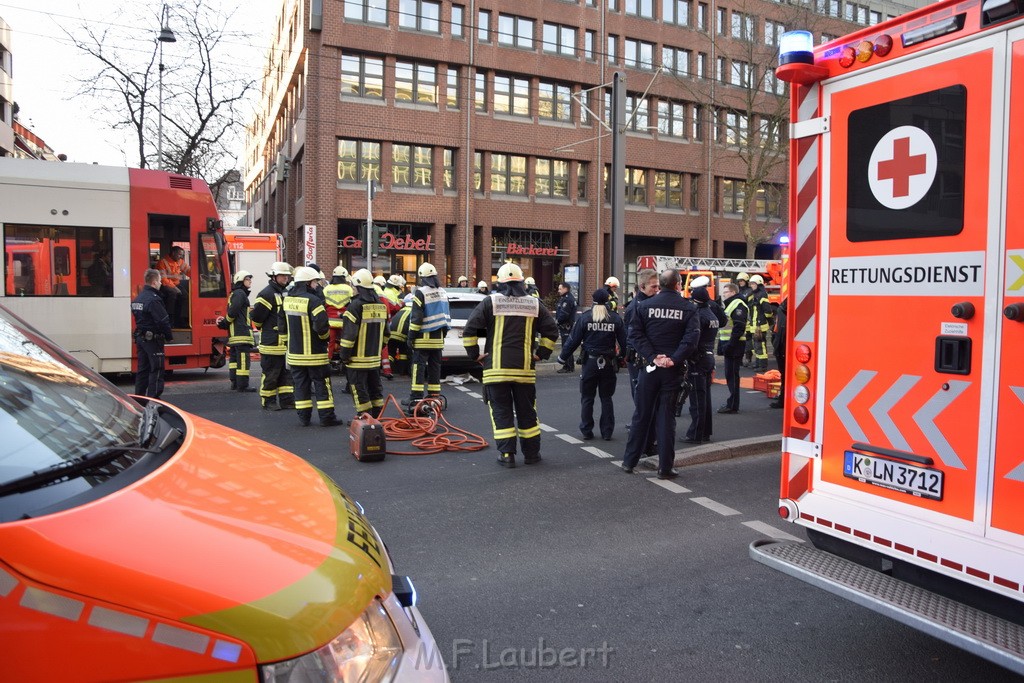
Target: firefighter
[429,322]
[364,335]
[701,365]
[276,392]
[319,289]
[742,280]
[732,340]
[664,331]
[509,321]
[240,339]
[152,331]
[398,340]
[612,286]
[308,331]
[779,347]
[603,336]
[463,281]
[761,318]
[565,316]
[174,273]
[378,285]
[394,290]
[336,297]
[531,287]
[482,288]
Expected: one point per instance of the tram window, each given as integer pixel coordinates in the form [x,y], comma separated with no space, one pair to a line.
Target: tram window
[211,276]
[58,261]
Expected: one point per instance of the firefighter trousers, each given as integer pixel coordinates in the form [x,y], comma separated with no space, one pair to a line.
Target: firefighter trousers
[367,391]
[313,382]
[426,369]
[239,363]
[598,378]
[275,381]
[513,408]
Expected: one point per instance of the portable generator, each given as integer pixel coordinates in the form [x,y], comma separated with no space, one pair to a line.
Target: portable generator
[366,440]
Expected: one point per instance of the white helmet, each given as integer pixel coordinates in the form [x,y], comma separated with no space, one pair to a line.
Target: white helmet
[701,281]
[743,276]
[426,270]
[241,275]
[397,280]
[530,281]
[341,271]
[363,278]
[463,278]
[510,272]
[305,274]
[612,281]
[756,280]
[321,275]
[481,284]
[279,268]
[379,281]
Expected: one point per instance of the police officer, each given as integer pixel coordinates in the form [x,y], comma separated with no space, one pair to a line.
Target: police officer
[701,365]
[531,287]
[276,392]
[612,287]
[665,332]
[603,336]
[308,331]
[761,314]
[240,339]
[732,339]
[742,281]
[429,322]
[152,330]
[510,320]
[336,297]
[364,335]
[646,287]
[565,316]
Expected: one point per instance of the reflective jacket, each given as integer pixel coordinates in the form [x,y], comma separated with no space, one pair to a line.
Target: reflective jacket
[172,271]
[365,331]
[760,310]
[398,327]
[430,318]
[308,329]
[239,327]
[509,323]
[613,299]
[336,298]
[268,316]
[732,335]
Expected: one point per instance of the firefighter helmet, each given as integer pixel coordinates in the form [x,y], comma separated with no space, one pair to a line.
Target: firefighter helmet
[426,270]
[363,278]
[341,271]
[612,282]
[397,280]
[743,276]
[463,278]
[305,274]
[530,281]
[510,272]
[756,280]
[279,268]
[379,281]
[241,275]
[481,284]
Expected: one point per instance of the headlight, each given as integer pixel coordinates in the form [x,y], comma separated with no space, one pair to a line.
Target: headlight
[368,651]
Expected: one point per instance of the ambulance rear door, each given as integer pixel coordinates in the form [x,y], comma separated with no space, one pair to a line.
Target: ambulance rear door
[911,219]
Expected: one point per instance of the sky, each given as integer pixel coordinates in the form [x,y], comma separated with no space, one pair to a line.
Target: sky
[46,65]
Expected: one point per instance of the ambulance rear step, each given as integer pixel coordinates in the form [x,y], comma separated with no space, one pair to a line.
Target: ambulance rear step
[970,629]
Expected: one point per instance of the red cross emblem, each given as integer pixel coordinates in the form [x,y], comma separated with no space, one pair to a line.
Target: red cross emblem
[901,167]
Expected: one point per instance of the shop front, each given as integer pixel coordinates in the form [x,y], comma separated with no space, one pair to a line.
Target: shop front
[401,247]
[538,252]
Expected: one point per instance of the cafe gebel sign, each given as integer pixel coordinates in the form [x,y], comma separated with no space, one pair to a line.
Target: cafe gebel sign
[389,241]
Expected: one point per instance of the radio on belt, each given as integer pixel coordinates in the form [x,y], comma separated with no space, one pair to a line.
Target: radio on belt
[366,440]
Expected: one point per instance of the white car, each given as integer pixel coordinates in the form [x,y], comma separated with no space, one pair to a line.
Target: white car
[461,304]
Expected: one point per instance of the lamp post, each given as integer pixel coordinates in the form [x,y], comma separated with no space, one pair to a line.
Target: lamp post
[166,36]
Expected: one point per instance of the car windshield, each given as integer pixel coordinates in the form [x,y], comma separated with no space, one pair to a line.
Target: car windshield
[460,310]
[53,409]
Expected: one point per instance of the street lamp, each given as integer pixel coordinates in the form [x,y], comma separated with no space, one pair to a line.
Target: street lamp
[166,36]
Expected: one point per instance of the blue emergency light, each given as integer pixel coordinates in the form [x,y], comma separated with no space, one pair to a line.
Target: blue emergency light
[796,47]
[783,239]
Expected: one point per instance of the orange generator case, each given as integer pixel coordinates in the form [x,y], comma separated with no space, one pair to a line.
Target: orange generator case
[366,440]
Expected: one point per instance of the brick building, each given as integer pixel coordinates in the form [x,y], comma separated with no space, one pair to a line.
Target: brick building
[481,122]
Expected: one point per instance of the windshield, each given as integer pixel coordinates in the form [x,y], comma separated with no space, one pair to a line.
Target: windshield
[53,409]
[461,310]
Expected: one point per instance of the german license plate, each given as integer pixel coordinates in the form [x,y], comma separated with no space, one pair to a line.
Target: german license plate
[923,482]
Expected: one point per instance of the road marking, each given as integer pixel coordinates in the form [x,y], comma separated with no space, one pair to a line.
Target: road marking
[474,394]
[461,388]
[669,485]
[769,530]
[547,428]
[594,450]
[568,439]
[723,510]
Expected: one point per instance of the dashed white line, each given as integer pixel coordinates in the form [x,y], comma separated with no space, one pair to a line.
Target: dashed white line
[547,428]
[474,394]
[594,450]
[461,388]
[568,439]
[669,485]
[723,510]
[769,530]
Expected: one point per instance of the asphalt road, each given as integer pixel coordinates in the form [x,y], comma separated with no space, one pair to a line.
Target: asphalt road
[572,570]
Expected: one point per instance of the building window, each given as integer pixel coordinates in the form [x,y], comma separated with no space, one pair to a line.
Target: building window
[720,25]
[742,73]
[639,54]
[415,83]
[640,8]
[636,186]
[511,96]
[480,92]
[554,101]
[672,119]
[874,17]
[508,174]
[478,171]
[698,122]
[411,166]
[676,12]
[559,39]
[449,169]
[742,26]
[483,29]
[702,65]
[676,60]
[613,5]
[458,18]
[452,88]
[721,73]
[582,168]
[668,190]
[613,56]
[370,11]
[734,199]
[551,178]
[358,161]
[420,15]
[773,30]
[515,31]
[362,76]
[589,38]
[736,129]
[584,99]
[637,114]
[767,201]
[702,16]
[694,191]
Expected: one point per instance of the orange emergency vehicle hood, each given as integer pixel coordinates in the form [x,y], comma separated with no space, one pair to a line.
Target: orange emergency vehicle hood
[224,543]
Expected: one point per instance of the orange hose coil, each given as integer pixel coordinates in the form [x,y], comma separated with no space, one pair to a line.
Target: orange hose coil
[428,430]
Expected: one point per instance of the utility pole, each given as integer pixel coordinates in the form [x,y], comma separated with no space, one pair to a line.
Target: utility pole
[617,250]
[370,242]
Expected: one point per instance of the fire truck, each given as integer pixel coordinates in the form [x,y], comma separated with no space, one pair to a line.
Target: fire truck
[254,251]
[720,270]
[903,452]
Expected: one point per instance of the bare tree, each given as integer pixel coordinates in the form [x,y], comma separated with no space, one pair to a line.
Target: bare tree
[205,91]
